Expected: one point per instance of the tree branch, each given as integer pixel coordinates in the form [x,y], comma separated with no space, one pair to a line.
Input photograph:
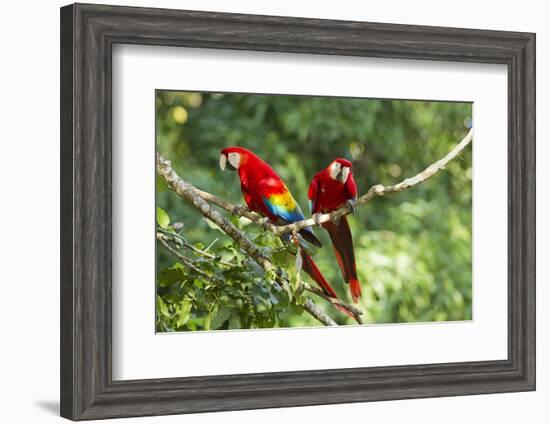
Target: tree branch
[374,191]
[165,236]
[237,210]
[188,262]
[191,194]
[182,241]
[336,302]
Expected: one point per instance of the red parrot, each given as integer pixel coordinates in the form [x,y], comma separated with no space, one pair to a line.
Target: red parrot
[329,190]
[265,193]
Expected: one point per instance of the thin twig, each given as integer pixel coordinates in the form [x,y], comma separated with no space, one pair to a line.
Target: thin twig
[189,246]
[336,302]
[188,262]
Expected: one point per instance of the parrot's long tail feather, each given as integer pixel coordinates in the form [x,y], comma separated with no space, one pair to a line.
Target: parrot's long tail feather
[342,242]
[355,289]
[311,268]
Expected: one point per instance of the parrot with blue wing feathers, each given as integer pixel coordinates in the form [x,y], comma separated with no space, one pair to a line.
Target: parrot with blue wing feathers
[265,193]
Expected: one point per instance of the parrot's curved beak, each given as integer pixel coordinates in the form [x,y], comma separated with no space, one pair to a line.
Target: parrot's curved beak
[223,161]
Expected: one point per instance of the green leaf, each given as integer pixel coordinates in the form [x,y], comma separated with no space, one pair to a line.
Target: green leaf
[295,279]
[184,311]
[160,184]
[239,302]
[163,220]
[261,307]
[162,308]
[273,298]
[214,226]
[287,289]
[297,309]
[235,321]
[207,321]
[169,276]
[220,317]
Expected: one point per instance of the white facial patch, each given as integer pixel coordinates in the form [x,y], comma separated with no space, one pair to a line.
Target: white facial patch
[335,170]
[223,161]
[345,174]
[234,160]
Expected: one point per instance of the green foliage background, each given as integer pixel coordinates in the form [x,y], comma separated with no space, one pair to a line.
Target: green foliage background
[413,249]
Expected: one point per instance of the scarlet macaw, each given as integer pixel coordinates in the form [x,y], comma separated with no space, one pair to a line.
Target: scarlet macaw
[329,190]
[265,193]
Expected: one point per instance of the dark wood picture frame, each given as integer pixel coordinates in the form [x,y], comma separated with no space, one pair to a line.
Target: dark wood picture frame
[88,33]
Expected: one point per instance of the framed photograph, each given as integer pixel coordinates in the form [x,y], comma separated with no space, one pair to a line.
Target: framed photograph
[264,211]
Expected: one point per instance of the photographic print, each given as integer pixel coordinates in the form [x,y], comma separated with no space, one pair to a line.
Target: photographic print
[243,235]
[284,211]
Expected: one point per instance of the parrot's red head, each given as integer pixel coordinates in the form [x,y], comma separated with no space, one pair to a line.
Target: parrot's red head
[339,170]
[234,156]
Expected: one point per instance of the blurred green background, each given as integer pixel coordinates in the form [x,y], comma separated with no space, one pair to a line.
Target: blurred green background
[413,249]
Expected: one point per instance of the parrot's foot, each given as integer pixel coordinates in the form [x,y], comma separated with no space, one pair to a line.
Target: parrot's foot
[351,204]
[317,218]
